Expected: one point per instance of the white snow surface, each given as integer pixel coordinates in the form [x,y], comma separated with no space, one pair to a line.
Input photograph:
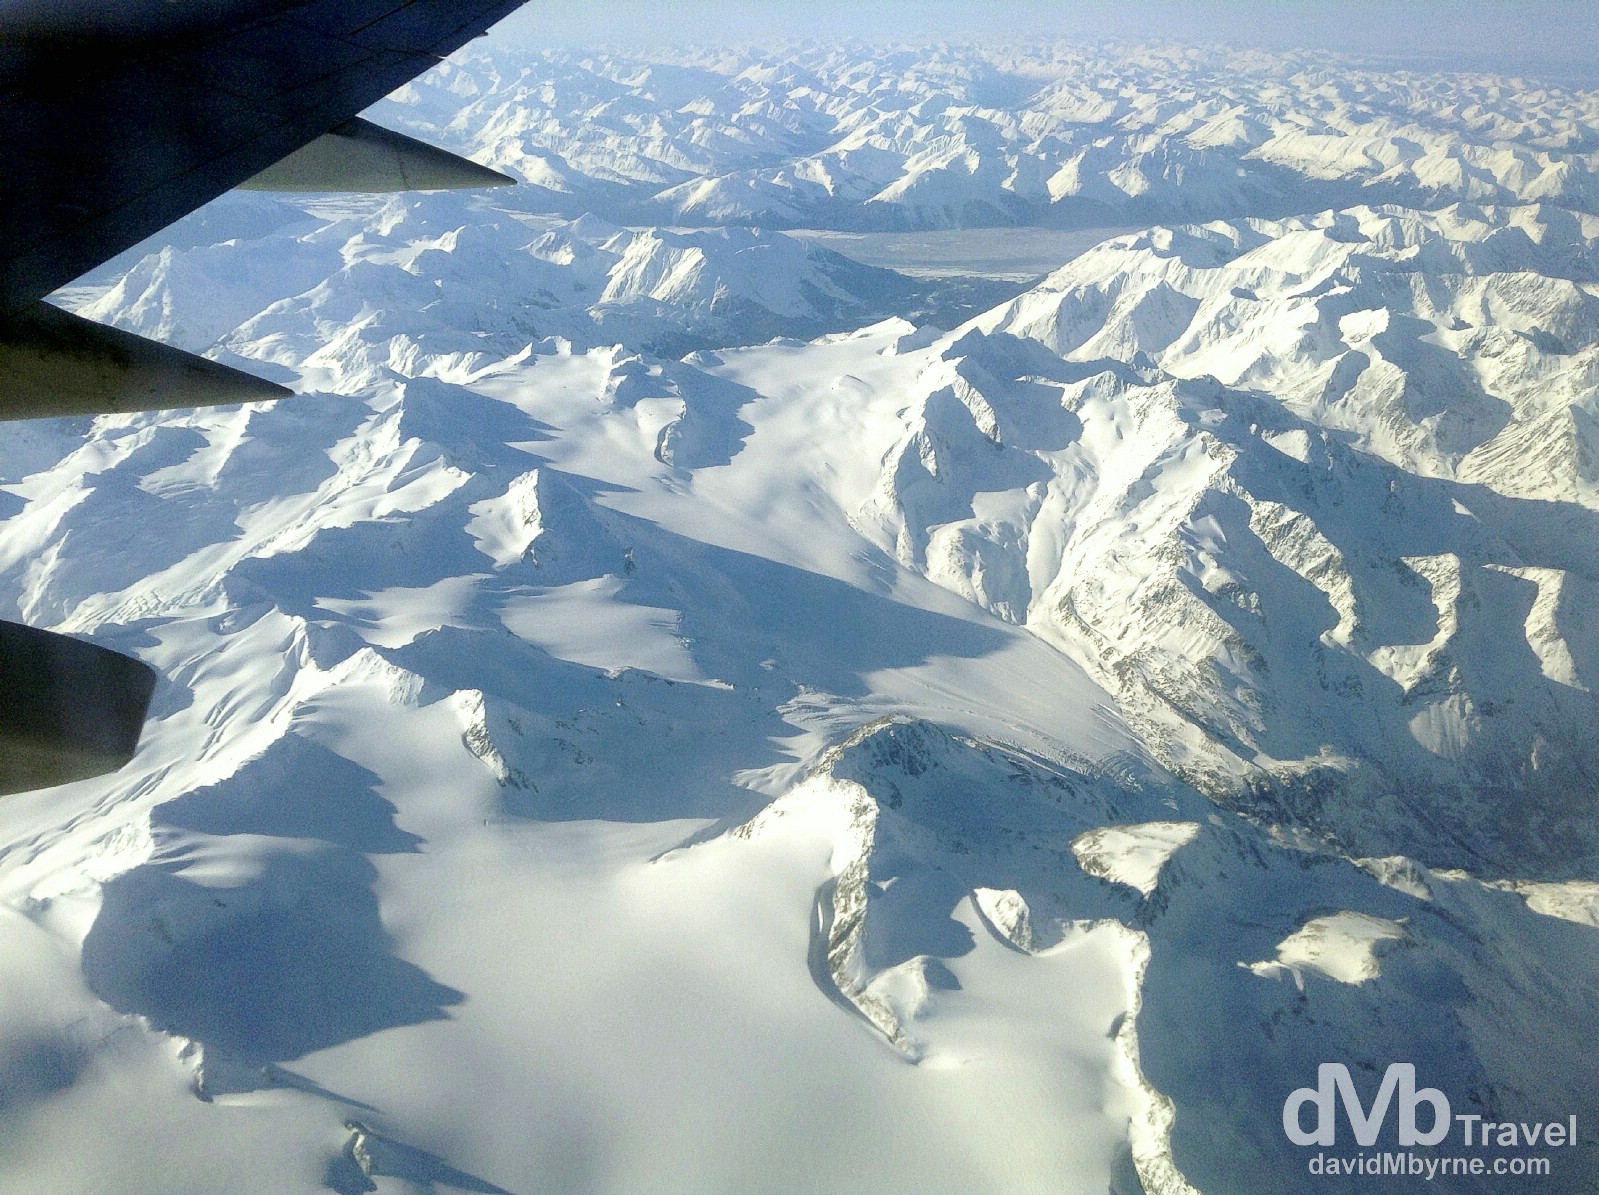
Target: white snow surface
[1343,947]
[855,755]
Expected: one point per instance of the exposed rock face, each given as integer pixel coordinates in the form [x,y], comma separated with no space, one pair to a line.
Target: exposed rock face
[1316,497]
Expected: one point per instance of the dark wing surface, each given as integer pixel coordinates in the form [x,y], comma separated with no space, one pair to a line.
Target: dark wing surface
[119,116]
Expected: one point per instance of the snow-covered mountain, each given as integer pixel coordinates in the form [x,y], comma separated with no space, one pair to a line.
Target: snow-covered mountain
[860,753]
[454,266]
[1323,489]
[860,137]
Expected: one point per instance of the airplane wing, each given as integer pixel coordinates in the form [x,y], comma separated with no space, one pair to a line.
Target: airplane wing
[120,116]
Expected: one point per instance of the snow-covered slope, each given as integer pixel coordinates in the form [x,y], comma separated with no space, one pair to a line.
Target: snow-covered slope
[1004,758]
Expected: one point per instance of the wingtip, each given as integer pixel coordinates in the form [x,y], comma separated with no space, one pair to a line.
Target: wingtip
[54,364]
[364,158]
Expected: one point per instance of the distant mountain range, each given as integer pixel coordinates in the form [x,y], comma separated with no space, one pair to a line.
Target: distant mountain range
[1067,136]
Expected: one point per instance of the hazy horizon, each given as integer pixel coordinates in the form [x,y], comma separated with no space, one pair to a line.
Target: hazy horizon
[1543,36]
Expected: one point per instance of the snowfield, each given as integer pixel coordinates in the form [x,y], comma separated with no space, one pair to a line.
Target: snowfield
[670,707]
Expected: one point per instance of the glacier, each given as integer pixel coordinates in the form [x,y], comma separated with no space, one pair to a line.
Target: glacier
[672,707]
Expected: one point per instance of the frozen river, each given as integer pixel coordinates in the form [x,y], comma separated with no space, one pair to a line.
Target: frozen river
[1015,254]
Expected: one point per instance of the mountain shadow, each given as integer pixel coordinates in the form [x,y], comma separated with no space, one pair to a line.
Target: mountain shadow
[284,954]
